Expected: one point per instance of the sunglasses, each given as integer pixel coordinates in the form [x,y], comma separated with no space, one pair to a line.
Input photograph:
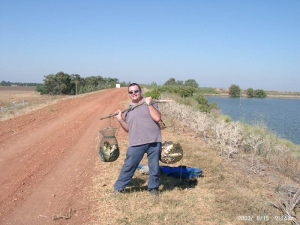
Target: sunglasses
[135,91]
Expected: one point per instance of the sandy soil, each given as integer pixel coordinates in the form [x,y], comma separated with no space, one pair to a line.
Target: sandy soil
[48,159]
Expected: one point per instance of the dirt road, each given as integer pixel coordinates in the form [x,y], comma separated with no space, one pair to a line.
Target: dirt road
[48,157]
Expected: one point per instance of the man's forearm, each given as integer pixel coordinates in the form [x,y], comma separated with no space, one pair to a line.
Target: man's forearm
[155,114]
[123,124]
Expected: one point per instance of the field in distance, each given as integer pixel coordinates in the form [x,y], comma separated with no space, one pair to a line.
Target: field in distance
[16,100]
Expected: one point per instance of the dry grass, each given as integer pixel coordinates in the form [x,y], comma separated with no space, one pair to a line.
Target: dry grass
[233,190]
[16,101]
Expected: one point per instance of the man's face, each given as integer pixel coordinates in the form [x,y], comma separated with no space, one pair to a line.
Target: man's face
[134,93]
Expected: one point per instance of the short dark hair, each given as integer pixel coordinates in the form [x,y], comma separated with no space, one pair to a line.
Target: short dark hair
[134,84]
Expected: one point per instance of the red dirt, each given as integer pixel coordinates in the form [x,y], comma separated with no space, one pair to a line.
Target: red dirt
[48,159]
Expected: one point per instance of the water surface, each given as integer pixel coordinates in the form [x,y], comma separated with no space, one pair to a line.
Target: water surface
[280,115]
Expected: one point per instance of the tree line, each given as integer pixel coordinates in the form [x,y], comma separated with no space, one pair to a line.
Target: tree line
[8,83]
[190,86]
[63,83]
[235,91]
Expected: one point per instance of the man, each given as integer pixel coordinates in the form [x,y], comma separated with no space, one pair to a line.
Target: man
[144,136]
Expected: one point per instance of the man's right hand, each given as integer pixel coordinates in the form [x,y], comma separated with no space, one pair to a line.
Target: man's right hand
[119,115]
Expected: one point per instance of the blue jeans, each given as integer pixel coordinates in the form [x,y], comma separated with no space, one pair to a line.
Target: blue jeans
[134,155]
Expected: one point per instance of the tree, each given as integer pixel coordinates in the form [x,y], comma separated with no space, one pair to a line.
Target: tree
[250,92]
[234,91]
[64,83]
[260,93]
[185,91]
[111,82]
[171,81]
[4,83]
[179,82]
[50,84]
[91,81]
[191,82]
[124,84]
[60,83]
[76,84]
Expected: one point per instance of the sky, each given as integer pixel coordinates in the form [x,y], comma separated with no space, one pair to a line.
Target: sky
[250,43]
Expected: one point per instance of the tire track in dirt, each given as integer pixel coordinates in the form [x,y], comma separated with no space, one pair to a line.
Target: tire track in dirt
[49,159]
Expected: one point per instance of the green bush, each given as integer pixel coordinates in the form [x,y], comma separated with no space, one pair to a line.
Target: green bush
[250,92]
[40,88]
[260,93]
[234,91]
[185,91]
[191,83]
[153,93]
[204,105]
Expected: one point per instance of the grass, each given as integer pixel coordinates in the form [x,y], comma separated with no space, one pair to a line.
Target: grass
[22,95]
[228,192]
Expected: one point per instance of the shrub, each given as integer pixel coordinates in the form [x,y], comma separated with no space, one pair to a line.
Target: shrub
[250,92]
[185,91]
[191,83]
[203,104]
[260,93]
[153,93]
[234,91]
[40,88]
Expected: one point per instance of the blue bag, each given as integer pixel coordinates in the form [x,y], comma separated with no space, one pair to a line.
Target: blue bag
[182,172]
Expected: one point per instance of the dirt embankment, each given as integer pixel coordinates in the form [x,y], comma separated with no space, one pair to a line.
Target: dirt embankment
[48,157]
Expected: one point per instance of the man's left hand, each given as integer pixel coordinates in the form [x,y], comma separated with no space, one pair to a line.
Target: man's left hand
[148,100]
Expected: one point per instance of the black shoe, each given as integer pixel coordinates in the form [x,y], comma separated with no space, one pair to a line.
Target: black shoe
[154,192]
[154,195]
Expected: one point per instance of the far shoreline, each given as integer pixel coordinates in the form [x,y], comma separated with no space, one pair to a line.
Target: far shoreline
[245,96]
[270,94]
